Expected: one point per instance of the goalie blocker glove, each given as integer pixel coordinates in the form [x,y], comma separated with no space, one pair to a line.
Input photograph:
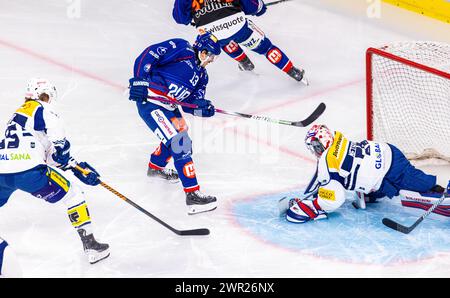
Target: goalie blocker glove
[301,211]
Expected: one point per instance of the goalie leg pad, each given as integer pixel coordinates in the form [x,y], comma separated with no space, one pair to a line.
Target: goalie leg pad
[424,201]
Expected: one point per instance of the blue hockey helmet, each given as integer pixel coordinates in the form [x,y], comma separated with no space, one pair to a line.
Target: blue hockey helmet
[207,42]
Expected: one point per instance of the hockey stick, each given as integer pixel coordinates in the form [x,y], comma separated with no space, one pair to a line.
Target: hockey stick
[195,232]
[276,2]
[406,230]
[310,119]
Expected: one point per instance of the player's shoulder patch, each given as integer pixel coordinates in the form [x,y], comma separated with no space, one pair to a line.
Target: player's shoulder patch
[29,108]
[335,154]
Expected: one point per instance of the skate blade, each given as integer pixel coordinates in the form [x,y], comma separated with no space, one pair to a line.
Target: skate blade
[159,178]
[95,256]
[196,209]
[304,81]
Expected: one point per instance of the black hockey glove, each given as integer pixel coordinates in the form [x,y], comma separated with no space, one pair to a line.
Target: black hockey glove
[204,109]
[138,89]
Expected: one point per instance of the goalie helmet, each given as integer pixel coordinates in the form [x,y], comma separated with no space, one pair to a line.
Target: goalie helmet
[38,86]
[318,139]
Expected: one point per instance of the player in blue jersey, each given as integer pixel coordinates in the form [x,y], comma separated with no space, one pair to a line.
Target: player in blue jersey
[371,170]
[175,70]
[227,20]
[34,144]
[9,266]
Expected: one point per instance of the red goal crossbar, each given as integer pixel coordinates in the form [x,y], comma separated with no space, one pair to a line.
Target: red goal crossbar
[369,88]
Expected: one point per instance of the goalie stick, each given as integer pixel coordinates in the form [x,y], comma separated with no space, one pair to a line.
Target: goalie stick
[194,232]
[305,122]
[406,230]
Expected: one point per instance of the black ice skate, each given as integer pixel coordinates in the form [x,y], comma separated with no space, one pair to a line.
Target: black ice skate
[166,174]
[94,250]
[246,64]
[198,202]
[298,75]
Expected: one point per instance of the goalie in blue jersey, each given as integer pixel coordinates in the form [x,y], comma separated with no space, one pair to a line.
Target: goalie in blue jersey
[175,70]
[370,170]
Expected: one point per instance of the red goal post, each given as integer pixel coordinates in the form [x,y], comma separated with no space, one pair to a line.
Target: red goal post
[408,97]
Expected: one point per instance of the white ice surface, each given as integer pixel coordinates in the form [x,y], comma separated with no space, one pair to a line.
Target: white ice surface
[90,59]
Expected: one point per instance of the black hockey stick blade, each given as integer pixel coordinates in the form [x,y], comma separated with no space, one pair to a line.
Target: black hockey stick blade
[406,230]
[313,117]
[196,232]
[396,226]
[401,228]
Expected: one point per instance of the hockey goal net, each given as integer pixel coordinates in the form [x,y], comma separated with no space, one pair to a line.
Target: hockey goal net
[408,98]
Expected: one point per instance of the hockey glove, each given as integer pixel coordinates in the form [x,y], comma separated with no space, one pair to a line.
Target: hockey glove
[89,179]
[62,155]
[301,211]
[262,11]
[204,108]
[138,89]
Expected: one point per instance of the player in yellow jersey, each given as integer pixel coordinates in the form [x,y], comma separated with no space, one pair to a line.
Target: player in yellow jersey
[34,144]
[371,170]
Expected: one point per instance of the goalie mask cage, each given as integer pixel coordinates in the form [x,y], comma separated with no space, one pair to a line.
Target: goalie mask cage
[408,98]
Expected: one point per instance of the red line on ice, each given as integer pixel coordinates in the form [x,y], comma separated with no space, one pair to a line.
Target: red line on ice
[60,64]
[121,88]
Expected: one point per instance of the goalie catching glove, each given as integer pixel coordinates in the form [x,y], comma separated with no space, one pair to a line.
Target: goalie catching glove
[301,211]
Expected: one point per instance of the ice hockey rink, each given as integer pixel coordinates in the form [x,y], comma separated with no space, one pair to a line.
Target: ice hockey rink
[87,48]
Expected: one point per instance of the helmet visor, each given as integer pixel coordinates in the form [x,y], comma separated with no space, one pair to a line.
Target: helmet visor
[316,147]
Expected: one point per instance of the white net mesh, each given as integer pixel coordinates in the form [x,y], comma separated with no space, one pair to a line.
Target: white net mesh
[411,106]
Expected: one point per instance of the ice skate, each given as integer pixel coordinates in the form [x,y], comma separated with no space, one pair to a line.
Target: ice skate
[246,64]
[166,174]
[94,250]
[198,202]
[298,75]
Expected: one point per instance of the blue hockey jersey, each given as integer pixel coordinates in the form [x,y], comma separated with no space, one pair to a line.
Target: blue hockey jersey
[207,11]
[172,69]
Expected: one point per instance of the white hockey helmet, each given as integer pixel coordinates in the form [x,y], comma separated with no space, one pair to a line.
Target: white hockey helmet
[38,86]
[318,139]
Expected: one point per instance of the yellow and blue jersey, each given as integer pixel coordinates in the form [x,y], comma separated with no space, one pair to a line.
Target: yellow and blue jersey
[357,166]
[29,137]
